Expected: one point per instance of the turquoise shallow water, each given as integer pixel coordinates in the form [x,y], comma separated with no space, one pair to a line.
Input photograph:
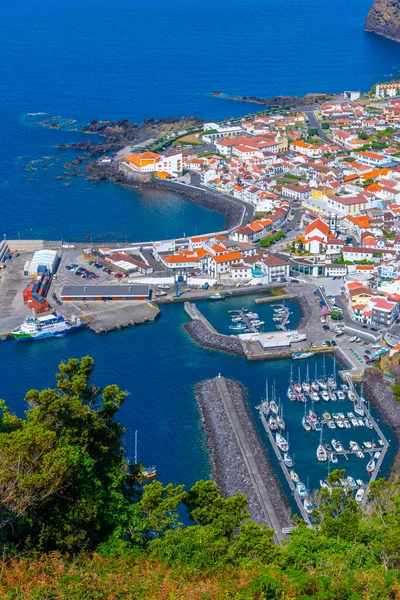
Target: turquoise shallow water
[159,366]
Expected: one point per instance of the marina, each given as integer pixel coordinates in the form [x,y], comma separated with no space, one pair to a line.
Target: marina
[359,420]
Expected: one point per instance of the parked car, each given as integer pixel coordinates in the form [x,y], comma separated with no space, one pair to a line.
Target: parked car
[374,329]
[333,343]
[364,326]
[325,327]
[328,343]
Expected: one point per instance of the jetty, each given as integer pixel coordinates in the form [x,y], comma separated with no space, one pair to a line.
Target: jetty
[239,457]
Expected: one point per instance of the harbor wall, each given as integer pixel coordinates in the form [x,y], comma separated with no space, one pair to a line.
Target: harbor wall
[239,458]
[201,335]
[381,396]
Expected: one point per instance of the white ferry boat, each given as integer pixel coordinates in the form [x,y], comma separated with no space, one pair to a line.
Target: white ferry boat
[46,326]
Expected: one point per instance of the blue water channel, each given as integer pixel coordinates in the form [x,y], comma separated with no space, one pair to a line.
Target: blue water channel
[159,366]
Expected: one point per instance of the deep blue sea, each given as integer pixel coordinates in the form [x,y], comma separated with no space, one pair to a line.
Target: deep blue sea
[97,60]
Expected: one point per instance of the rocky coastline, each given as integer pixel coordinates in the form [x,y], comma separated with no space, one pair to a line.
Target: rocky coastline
[231,474]
[384,19]
[279,101]
[380,394]
[122,133]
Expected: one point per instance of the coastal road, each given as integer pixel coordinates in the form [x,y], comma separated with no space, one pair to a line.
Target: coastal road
[314,122]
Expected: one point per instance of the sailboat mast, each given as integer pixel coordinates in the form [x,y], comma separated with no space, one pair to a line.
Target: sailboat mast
[136,447]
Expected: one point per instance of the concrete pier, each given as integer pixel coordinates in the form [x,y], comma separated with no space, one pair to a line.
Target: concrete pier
[240,461]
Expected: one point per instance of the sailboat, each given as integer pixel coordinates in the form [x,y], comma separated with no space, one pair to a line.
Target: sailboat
[308,505]
[305,421]
[281,442]
[290,393]
[359,406]
[287,460]
[306,384]
[149,472]
[322,454]
[279,418]
[314,384]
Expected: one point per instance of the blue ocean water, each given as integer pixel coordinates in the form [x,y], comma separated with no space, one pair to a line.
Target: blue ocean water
[159,366]
[97,59]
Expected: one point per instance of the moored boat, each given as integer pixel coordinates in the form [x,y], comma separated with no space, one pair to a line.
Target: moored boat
[281,442]
[47,326]
[371,466]
[360,495]
[216,296]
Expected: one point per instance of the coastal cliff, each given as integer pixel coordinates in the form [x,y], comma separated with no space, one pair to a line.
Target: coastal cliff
[384,19]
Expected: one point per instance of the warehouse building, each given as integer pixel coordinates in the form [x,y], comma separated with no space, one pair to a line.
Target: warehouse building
[43,258]
[83,293]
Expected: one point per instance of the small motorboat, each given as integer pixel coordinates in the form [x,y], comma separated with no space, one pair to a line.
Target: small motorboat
[216,296]
[252,315]
[370,467]
[360,454]
[324,484]
[354,422]
[308,505]
[314,397]
[306,424]
[333,459]
[360,495]
[325,396]
[347,424]
[354,446]
[332,396]
[315,386]
[368,423]
[351,482]
[297,387]
[331,424]
[350,415]
[381,442]
[326,416]
[301,489]
[340,424]
[337,446]
[301,398]
[341,395]
[306,387]
[294,477]
[332,383]
[351,396]
[317,426]
[238,327]
[367,445]
[273,425]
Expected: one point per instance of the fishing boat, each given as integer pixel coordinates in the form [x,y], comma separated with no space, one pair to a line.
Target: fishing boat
[287,460]
[237,327]
[294,477]
[301,489]
[370,466]
[237,319]
[308,505]
[163,286]
[360,495]
[325,396]
[160,294]
[281,442]
[216,296]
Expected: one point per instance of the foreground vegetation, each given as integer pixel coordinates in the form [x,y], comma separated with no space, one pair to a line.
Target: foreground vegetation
[75,521]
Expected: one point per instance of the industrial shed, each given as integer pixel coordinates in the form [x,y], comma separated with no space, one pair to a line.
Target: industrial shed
[105,292]
[43,258]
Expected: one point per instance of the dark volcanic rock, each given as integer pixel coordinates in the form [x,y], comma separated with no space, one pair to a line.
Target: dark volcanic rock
[384,19]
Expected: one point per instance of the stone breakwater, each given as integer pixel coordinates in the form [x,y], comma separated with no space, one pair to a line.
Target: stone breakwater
[380,394]
[201,335]
[305,309]
[231,471]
